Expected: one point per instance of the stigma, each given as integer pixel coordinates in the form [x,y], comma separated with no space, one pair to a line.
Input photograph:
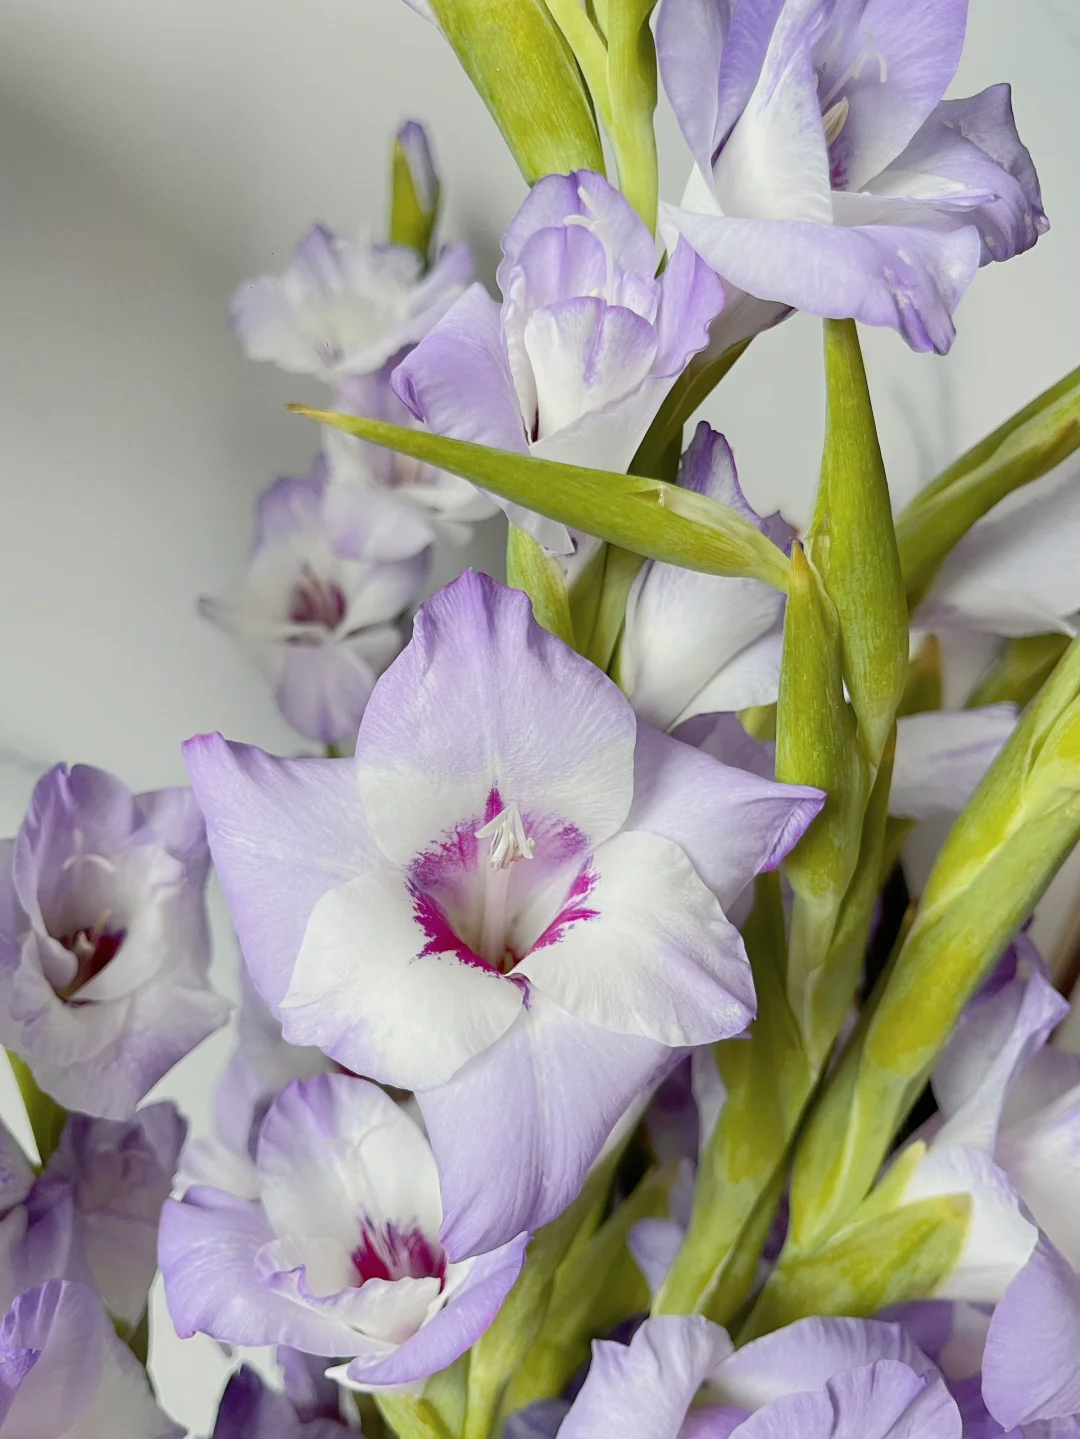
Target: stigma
[509,841]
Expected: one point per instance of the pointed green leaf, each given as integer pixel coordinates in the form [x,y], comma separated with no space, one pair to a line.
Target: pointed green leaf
[410,1417]
[527,76]
[47,1118]
[647,516]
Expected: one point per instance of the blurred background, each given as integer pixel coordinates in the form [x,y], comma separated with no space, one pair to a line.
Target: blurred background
[153,153]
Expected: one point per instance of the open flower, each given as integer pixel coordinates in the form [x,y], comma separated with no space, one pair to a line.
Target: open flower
[587,343]
[448,505]
[819,1379]
[68,1376]
[696,644]
[342,307]
[104,945]
[320,609]
[340,1254]
[514,891]
[831,177]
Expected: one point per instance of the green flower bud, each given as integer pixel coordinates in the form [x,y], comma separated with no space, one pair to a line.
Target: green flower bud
[1024,449]
[527,76]
[414,206]
[853,544]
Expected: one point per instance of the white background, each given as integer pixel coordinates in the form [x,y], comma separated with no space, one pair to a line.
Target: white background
[155,152]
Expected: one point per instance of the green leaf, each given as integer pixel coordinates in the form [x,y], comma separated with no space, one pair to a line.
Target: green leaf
[891,1258]
[47,1118]
[1025,448]
[1020,671]
[632,92]
[410,1417]
[529,567]
[516,57]
[647,516]
[853,544]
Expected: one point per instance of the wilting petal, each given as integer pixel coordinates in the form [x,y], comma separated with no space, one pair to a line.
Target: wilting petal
[731,823]
[283,833]
[908,278]
[941,756]
[643,1390]
[1031,1363]
[515,1131]
[659,961]
[554,735]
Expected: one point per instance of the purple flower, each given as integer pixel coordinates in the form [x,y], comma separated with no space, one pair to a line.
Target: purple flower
[340,1255]
[830,176]
[95,1210]
[1015,572]
[512,901]
[696,644]
[587,342]
[104,943]
[64,1373]
[344,308]
[818,1379]
[449,506]
[319,610]
[249,1409]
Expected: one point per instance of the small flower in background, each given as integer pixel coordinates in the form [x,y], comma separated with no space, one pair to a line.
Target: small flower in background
[98,1203]
[319,611]
[830,176]
[679,1378]
[585,347]
[104,944]
[696,644]
[1015,571]
[343,307]
[516,890]
[340,1255]
[250,1409]
[67,1376]
[449,505]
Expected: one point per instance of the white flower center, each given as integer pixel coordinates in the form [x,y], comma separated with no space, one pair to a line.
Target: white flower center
[508,842]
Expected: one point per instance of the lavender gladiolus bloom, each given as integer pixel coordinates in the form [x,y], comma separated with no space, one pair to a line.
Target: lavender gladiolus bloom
[515,891]
[104,943]
[340,1254]
[697,644]
[449,506]
[320,609]
[64,1373]
[587,342]
[830,176]
[344,308]
[818,1379]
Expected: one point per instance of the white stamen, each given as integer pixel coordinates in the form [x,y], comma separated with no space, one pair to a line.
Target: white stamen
[509,840]
[854,71]
[835,119]
[79,856]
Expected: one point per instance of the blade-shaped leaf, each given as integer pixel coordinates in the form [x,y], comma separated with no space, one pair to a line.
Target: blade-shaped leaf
[650,517]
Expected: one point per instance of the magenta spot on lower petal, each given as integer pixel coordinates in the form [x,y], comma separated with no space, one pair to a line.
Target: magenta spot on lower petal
[387,1252]
[494,805]
[574,909]
[439,933]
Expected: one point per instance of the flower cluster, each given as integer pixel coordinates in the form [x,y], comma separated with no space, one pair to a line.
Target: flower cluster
[604,1068]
